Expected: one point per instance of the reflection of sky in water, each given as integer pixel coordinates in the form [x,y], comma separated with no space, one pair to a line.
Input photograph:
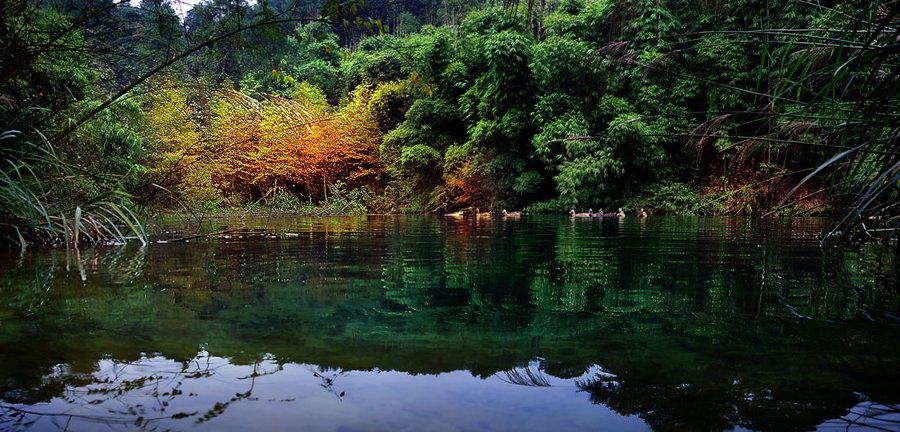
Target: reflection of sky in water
[693,319]
[303,397]
[211,393]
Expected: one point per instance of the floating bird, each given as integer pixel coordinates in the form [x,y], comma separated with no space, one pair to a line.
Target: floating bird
[464,212]
[643,213]
[578,215]
[620,213]
[512,215]
[479,214]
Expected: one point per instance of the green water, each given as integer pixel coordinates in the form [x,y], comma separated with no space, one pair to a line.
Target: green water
[425,323]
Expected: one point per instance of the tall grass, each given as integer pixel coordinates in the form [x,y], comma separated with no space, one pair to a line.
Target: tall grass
[30,215]
[854,72]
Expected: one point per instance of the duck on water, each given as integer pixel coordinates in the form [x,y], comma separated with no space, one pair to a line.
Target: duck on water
[573,214]
[511,215]
[598,214]
[474,211]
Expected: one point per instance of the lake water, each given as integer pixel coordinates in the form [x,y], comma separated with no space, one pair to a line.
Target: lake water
[427,323]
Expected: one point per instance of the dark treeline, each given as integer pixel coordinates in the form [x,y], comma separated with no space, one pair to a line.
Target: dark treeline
[679,106]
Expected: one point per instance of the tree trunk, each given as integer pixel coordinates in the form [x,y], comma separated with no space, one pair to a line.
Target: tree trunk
[530,16]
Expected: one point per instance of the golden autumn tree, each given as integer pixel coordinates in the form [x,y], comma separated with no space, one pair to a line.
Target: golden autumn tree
[340,147]
[362,138]
[277,144]
[233,135]
[179,164]
[258,148]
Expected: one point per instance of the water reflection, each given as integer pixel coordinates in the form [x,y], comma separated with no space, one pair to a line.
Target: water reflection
[383,322]
[157,393]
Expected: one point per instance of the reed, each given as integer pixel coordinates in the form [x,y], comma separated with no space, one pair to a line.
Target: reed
[30,215]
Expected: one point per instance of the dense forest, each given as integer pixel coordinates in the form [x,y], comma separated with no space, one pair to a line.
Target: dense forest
[112,109]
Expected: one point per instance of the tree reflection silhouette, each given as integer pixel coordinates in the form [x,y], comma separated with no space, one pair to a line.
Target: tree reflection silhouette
[698,323]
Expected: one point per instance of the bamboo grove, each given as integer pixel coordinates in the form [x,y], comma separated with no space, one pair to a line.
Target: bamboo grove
[719,107]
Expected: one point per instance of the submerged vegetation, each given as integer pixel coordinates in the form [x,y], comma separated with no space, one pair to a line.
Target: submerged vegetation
[682,106]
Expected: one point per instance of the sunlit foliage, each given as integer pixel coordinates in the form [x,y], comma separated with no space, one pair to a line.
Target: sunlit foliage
[253,149]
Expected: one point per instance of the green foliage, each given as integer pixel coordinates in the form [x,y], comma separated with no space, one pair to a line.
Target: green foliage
[393,142]
[529,184]
[321,74]
[43,76]
[550,142]
[437,117]
[587,102]
[407,23]
[436,64]
[571,7]
[70,191]
[726,61]
[375,62]
[311,97]
[610,107]
[561,64]
[674,198]
[550,107]
[495,105]
[577,19]
[429,121]
[413,150]
[113,138]
[314,42]
[390,102]
[420,159]
[652,20]
[33,208]
[589,176]
[490,21]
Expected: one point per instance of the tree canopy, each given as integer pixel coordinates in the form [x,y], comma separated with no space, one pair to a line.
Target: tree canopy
[679,106]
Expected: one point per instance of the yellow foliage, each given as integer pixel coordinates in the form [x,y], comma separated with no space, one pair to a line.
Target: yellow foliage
[249,147]
[179,164]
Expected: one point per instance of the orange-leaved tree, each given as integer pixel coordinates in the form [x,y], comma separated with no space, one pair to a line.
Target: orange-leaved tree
[233,133]
[281,144]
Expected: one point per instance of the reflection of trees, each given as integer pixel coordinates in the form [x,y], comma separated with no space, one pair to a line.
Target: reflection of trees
[716,406]
[428,295]
[530,375]
[668,405]
[673,395]
[871,415]
[787,378]
[329,379]
[145,394]
[110,396]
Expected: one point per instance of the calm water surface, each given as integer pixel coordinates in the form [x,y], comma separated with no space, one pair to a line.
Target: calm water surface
[423,323]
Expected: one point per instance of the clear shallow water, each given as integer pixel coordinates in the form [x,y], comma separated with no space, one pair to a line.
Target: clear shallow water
[424,323]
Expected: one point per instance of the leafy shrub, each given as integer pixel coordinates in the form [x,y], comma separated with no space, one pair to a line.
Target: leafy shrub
[420,159]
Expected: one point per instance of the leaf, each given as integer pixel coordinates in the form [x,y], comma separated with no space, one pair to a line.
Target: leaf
[819,169]
[77,224]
